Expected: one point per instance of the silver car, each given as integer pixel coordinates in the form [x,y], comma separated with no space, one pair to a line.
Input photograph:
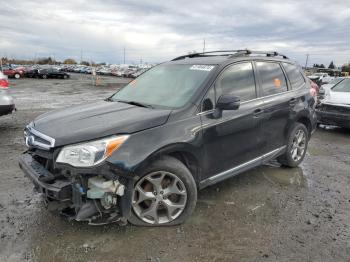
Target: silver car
[7,104]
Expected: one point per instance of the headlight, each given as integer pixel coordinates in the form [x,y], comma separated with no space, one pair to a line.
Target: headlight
[90,153]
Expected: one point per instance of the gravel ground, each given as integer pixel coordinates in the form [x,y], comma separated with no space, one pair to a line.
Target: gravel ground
[267,214]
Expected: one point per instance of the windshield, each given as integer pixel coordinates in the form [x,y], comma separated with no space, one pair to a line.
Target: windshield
[166,85]
[335,81]
[343,86]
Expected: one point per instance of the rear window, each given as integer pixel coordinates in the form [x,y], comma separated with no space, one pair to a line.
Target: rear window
[295,77]
[272,78]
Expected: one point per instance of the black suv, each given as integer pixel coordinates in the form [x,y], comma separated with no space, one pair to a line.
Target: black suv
[142,154]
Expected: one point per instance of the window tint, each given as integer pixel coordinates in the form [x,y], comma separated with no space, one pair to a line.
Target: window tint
[237,80]
[294,75]
[272,78]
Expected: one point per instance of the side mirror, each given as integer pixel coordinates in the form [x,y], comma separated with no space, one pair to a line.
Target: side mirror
[228,102]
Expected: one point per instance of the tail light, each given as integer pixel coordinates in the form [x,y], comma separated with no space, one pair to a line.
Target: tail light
[313,92]
[4,84]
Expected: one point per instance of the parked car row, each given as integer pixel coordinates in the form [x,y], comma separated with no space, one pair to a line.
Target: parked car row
[129,71]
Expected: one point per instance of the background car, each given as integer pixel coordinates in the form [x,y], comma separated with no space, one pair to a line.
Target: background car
[321,78]
[324,89]
[12,72]
[7,104]
[335,108]
[52,73]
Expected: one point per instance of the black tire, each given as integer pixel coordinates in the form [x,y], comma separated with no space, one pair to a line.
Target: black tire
[17,76]
[286,159]
[44,76]
[170,164]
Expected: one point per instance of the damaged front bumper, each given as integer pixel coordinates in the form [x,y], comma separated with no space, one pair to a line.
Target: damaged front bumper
[96,196]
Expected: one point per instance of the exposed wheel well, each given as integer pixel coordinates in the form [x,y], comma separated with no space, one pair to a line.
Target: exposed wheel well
[189,161]
[306,122]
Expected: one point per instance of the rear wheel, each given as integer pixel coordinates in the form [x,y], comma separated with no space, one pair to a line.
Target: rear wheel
[296,147]
[17,76]
[44,76]
[165,195]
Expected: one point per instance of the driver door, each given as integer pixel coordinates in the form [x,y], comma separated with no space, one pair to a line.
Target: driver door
[234,138]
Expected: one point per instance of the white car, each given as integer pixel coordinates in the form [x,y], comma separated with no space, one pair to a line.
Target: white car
[325,88]
[6,101]
[321,78]
[335,107]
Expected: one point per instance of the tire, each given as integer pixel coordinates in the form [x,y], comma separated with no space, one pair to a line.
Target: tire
[17,76]
[44,76]
[166,169]
[65,76]
[294,138]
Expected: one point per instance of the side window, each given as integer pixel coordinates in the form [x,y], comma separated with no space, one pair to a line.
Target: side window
[272,78]
[295,77]
[209,100]
[237,80]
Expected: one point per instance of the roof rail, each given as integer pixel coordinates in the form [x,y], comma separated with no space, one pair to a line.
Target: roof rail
[231,53]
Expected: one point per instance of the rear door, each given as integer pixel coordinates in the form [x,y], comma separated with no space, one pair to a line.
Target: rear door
[235,137]
[277,102]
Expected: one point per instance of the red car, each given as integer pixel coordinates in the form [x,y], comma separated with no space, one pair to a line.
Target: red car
[12,72]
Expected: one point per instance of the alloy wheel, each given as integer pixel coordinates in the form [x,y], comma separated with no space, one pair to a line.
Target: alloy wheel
[159,197]
[299,145]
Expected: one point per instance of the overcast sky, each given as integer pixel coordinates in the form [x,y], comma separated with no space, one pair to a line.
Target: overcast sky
[155,31]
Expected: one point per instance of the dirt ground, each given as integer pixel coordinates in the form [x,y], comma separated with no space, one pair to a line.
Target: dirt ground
[267,214]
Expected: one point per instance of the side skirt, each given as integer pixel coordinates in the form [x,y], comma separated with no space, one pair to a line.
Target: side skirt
[242,168]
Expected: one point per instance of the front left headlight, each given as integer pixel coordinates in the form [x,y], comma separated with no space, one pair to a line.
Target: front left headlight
[90,153]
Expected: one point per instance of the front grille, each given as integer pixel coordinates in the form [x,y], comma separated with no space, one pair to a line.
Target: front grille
[45,158]
[35,139]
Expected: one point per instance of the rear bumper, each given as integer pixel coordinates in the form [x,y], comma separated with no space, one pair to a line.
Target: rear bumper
[333,118]
[6,109]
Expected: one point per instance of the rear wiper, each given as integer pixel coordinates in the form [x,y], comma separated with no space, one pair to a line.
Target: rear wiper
[135,103]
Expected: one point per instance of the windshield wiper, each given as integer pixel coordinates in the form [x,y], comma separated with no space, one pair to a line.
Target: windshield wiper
[135,103]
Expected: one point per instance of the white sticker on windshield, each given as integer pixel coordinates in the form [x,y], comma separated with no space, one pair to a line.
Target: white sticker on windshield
[202,67]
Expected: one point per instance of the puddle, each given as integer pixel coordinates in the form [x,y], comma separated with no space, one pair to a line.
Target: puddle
[285,176]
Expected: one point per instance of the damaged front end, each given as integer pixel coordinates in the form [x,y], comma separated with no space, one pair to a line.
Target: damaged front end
[97,195]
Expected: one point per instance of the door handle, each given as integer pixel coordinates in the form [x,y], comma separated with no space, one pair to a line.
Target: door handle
[258,112]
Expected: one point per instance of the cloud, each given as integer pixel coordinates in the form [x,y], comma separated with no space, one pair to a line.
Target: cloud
[155,31]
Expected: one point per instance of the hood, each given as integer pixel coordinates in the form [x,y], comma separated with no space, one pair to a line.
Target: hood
[96,120]
[338,98]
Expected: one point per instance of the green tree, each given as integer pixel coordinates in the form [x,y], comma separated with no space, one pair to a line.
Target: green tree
[331,65]
[69,61]
[322,66]
[85,63]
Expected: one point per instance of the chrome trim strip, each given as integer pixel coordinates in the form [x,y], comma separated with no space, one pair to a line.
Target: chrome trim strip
[231,172]
[41,135]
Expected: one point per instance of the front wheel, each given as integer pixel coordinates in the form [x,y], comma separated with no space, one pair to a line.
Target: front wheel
[17,76]
[296,147]
[165,195]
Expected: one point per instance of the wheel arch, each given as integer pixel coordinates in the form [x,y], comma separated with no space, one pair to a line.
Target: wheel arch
[306,122]
[183,152]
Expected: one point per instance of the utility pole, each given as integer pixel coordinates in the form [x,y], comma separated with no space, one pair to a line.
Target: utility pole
[124,55]
[203,45]
[307,60]
[81,55]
